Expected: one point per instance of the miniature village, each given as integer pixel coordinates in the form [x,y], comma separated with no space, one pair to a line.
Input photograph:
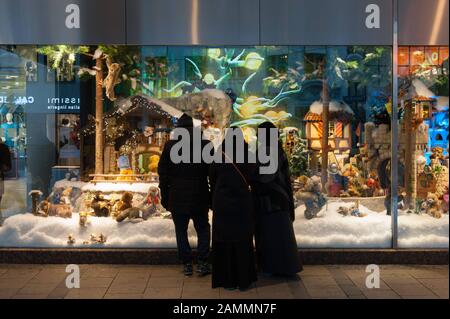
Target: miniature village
[340,169]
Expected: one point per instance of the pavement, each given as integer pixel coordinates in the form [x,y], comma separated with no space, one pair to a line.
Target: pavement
[168,282]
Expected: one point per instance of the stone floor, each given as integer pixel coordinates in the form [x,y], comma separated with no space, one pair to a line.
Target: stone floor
[139,281]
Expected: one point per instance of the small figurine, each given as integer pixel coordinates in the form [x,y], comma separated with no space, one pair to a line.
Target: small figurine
[352,211]
[100,239]
[335,182]
[125,202]
[154,161]
[112,79]
[311,195]
[43,208]
[343,210]
[355,212]
[35,196]
[432,207]
[83,219]
[70,239]
[100,206]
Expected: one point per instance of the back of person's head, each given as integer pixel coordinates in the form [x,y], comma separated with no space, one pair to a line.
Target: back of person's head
[265,128]
[185,121]
[234,145]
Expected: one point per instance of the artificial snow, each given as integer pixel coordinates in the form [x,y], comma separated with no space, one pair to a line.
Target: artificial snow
[64,183]
[335,106]
[332,230]
[27,230]
[419,88]
[105,187]
[422,231]
[328,230]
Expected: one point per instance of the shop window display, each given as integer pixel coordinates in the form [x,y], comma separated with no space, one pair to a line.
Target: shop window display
[423,192]
[99,186]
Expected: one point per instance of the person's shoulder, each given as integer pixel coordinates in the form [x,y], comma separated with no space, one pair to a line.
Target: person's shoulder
[3,147]
[169,144]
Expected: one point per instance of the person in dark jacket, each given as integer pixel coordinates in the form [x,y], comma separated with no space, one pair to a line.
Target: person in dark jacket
[232,245]
[5,165]
[185,193]
[384,173]
[276,245]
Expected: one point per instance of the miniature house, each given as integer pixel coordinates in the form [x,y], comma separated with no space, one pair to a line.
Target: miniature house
[339,130]
[423,107]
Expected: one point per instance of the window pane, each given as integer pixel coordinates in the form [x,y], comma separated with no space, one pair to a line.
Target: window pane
[341,193]
[423,153]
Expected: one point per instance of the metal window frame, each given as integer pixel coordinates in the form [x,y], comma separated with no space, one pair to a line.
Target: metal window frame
[394,129]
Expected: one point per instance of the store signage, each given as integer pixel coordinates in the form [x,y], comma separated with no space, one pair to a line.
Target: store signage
[16,100]
[63,104]
[53,103]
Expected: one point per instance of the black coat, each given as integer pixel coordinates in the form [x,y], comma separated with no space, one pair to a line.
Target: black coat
[232,203]
[184,186]
[273,192]
[276,244]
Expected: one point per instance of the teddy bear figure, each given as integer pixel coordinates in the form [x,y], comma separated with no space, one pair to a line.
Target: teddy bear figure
[312,196]
[124,203]
[100,206]
[433,205]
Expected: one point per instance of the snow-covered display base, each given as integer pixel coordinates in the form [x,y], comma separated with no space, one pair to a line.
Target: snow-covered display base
[26,230]
[328,230]
[332,230]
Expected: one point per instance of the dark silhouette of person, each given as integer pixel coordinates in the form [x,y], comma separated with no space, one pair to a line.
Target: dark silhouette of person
[384,173]
[276,245]
[185,193]
[231,182]
[5,166]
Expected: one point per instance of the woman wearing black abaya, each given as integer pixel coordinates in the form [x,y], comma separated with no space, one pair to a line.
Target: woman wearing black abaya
[276,245]
[232,231]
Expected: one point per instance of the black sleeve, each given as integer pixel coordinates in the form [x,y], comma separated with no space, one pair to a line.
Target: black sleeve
[5,158]
[164,175]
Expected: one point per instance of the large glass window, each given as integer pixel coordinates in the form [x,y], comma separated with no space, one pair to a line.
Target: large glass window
[86,127]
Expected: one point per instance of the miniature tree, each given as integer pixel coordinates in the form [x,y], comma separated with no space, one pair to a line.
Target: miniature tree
[298,159]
